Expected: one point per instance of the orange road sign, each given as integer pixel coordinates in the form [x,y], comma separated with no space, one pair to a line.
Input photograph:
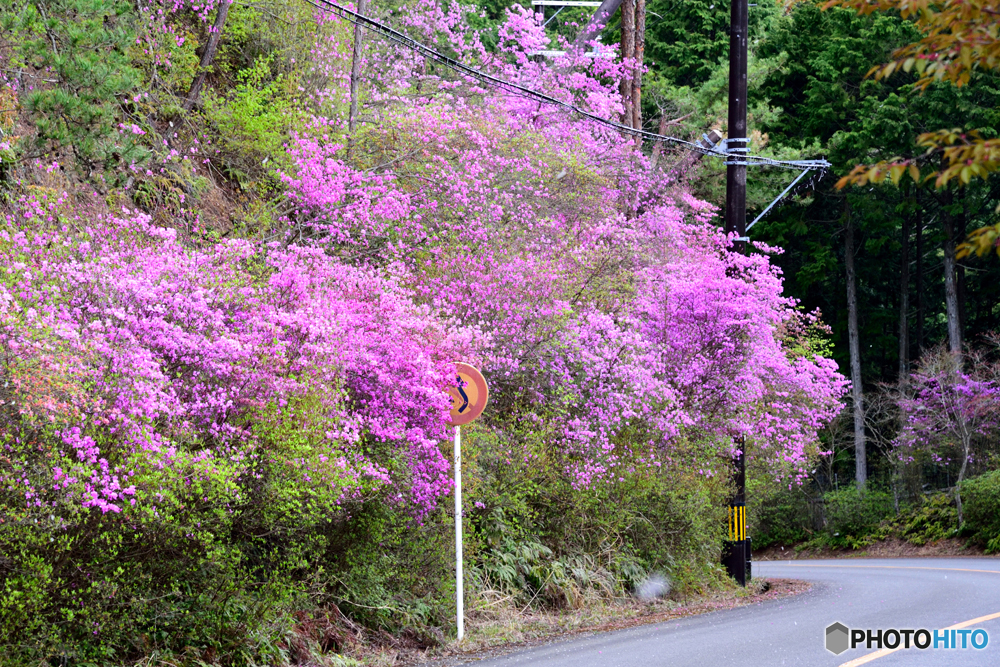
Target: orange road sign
[468,396]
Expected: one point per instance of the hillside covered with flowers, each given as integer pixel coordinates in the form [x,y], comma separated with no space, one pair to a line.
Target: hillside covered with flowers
[226,328]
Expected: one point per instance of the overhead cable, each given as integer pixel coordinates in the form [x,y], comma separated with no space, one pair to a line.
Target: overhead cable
[397,37]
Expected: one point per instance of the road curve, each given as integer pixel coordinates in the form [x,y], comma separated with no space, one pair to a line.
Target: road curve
[860,593]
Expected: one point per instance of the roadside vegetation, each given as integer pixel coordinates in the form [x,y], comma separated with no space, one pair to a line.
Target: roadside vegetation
[241,251]
[243,244]
[937,435]
[849,521]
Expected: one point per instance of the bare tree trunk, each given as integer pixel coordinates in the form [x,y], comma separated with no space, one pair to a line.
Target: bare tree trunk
[214,35]
[904,306]
[955,333]
[919,269]
[640,52]
[355,78]
[628,53]
[964,432]
[658,146]
[960,270]
[966,438]
[860,459]
[950,286]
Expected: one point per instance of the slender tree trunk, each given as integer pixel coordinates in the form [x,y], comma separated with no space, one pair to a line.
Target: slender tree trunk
[640,52]
[904,305]
[208,55]
[954,331]
[355,79]
[958,232]
[628,53]
[964,431]
[658,146]
[950,284]
[860,459]
[919,269]
[960,225]
[961,475]
[629,199]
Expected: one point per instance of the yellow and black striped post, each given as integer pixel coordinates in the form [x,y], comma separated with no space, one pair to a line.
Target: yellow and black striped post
[737,522]
[736,550]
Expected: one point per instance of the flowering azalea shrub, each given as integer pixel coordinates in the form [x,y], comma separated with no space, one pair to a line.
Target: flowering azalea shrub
[165,390]
[183,358]
[641,322]
[950,414]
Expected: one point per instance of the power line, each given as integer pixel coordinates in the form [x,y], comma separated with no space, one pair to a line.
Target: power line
[732,157]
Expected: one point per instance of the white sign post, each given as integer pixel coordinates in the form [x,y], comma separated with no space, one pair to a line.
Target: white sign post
[468,400]
[459,578]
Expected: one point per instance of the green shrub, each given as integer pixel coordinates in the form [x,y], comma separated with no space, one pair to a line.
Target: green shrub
[386,571]
[209,566]
[541,542]
[853,520]
[112,588]
[981,509]
[85,45]
[251,124]
[935,519]
[851,515]
[782,520]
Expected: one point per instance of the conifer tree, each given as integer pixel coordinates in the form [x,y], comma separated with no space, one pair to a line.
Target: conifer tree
[79,80]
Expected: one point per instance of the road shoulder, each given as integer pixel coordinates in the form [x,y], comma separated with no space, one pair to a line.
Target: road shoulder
[492,638]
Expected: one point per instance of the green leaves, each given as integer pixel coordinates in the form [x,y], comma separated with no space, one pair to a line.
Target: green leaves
[981,509]
[958,36]
[252,124]
[81,81]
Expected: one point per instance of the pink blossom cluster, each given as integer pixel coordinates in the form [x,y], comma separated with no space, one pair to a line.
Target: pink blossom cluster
[126,357]
[948,408]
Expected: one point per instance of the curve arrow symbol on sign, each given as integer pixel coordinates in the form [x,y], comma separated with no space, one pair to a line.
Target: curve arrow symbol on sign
[461,391]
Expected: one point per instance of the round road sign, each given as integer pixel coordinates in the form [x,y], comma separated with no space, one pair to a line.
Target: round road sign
[468,396]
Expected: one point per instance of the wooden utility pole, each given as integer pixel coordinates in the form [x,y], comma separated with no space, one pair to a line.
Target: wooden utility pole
[736,174]
[736,554]
[736,550]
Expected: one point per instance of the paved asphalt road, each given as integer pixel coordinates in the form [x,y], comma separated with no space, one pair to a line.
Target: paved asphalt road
[871,593]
